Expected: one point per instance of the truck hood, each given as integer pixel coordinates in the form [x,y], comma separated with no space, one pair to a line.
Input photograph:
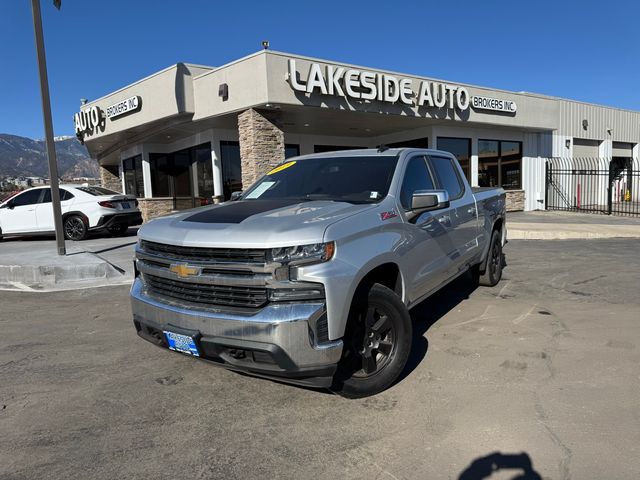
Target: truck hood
[250,224]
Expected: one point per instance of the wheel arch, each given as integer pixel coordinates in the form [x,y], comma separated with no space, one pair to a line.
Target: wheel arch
[78,213]
[382,270]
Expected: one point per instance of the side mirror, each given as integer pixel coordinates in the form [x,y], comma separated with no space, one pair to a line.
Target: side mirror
[235,196]
[425,200]
[8,205]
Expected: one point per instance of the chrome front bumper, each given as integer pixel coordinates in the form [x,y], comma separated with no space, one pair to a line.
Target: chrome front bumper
[277,341]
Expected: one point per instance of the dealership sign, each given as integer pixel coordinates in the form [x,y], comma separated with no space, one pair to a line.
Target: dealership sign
[495,104]
[125,106]
[86,121]
[382,87]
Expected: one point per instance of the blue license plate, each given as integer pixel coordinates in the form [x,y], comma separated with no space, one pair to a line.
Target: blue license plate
[182,343]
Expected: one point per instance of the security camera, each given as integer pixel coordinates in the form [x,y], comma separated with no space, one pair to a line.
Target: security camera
[265,44]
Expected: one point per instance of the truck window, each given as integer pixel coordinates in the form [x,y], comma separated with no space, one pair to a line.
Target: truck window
[354,179]
[447,175]
[416,177]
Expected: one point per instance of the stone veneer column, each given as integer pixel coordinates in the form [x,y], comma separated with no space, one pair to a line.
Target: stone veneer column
[109,179]
[261,144]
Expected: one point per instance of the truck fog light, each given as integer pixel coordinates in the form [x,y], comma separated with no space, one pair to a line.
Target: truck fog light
[292,294]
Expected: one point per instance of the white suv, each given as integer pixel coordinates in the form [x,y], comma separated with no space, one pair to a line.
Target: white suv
[84,209]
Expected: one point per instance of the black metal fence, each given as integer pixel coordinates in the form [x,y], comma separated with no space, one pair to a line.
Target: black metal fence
[594,185]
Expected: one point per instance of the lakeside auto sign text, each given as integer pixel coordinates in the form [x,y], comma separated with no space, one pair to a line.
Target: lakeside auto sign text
[383,87]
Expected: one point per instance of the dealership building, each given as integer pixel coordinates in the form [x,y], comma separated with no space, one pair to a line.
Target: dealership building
[192,134]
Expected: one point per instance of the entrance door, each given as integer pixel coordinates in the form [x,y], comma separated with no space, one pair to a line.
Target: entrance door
[185,176]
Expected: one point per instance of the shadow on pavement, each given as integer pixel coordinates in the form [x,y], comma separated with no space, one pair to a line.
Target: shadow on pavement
[429,311]
[486,467]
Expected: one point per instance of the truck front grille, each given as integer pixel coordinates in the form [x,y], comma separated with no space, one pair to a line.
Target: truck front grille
[208,255]
[231,296]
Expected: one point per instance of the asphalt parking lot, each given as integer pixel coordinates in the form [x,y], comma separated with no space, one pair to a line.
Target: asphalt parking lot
[539,373]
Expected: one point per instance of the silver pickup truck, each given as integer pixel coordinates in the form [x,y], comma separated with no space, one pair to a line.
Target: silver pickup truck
[308,276]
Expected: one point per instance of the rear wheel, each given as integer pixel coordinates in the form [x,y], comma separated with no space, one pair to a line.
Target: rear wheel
[377,344]
[118,229]
[493,271]
[75,228]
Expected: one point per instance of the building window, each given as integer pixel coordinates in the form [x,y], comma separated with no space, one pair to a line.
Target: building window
[185,173]
[133,181]
[500,164]
[204,172]
[415,143]
[461,149]
[333,148]
[160,166]
[291,150]
[231,168]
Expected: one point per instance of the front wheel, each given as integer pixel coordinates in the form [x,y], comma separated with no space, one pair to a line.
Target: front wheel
[75,228]
[377,344]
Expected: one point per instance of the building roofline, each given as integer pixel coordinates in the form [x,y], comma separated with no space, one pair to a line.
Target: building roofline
[212,69]
[233,62]
[144,79]
[422,77]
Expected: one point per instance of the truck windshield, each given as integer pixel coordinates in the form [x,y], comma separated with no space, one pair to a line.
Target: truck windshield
[343,179]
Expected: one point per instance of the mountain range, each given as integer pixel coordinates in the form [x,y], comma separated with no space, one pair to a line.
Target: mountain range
[22,156]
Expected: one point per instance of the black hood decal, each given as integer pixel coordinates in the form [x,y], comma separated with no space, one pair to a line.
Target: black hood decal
[236,212]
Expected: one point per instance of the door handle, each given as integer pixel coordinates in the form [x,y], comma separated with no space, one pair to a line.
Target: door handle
[471,210]
[444,219]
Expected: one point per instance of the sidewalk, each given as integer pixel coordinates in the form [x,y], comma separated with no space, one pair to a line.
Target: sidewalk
[549,225]
[31,263]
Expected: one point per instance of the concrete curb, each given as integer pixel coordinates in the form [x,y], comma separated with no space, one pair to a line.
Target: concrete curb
[47,273]
[555,231]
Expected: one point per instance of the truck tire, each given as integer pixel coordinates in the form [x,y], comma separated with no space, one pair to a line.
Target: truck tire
[377,343]
[493,270]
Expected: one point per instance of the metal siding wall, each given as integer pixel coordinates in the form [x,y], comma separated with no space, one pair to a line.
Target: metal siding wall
[537,146]
[624,125]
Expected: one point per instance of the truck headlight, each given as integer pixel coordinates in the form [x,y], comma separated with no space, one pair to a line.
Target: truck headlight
[313,253]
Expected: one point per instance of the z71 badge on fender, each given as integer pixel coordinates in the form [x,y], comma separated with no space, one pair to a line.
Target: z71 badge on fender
[388,215]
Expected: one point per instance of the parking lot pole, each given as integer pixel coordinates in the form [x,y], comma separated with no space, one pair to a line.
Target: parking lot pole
[48,127]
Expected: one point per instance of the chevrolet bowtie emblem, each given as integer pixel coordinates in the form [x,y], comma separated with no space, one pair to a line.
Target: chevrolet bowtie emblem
[183,270]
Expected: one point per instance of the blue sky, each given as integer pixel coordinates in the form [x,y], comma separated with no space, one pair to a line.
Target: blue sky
[582,50]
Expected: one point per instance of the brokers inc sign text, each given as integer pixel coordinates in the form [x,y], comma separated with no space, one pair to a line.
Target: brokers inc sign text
[125,106]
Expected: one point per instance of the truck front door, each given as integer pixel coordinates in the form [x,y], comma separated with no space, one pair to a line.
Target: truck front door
[427,241]
[460,218]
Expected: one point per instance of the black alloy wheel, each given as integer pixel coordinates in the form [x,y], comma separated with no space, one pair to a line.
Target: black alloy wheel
[377,343]
[378,336]
[75,228]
